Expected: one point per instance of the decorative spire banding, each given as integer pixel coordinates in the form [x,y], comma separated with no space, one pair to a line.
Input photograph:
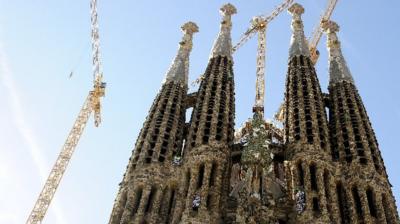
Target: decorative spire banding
[223,43]
[298,43]
[179,70]
[338,70]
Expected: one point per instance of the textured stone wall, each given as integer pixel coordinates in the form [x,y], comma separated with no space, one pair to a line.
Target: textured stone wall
[368,192]
[148,179]
[207,155]
[307,142]
[312,173]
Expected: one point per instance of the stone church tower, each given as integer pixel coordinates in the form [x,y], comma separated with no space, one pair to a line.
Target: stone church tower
[318,168]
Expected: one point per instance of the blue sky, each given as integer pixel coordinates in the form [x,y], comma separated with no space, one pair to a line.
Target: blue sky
[42,41]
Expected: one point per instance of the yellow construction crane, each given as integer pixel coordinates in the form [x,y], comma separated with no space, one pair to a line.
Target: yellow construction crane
[92,104]
[259,25]
[317,33]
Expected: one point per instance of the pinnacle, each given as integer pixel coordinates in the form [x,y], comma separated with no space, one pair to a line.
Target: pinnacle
[190,28]
[228,9]
[338,70]
[330,27]
[296,8]
[178,72]
[223,44]
[299,45]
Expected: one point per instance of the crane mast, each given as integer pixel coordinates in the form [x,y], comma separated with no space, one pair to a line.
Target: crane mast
[91,104]
[260,70]
[259,25]
[253,29]
[317,33]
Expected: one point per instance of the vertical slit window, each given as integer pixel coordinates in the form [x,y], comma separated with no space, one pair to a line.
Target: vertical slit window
[187,183]
[300,173]
[326,185]
[209,199]
[316,207]
[342,203]
[213,174]
[371,202]
[137,200]
[170,205]
[327,193]
[357,202]
[260,184]
[200,176]
[149,205]
[313,177]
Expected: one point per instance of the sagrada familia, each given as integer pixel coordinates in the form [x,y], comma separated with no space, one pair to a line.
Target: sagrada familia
[321,167]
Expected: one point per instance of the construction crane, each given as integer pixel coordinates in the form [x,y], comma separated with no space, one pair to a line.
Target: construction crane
[259,25]
[317,33]
[91,104]
[263,21]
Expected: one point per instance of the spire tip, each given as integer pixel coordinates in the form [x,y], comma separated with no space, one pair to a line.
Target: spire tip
[223,43]
[299,44]
[330,26]
[228,9]
[178,72]
[190,27]
[338,70]
[296,9]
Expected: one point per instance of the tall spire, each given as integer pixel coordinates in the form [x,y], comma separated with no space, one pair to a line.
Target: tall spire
[178,72]
[298,43]
[338,69]
[223,43]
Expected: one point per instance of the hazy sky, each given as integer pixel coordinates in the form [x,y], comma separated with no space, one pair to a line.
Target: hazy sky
[42,41]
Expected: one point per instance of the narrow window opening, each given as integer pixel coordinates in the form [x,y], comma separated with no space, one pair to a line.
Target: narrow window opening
[301,174]
[209,199]
[342,201]
[205,139]
[149,205]
[357,201]
[313,177]
[188,114]
[326,185]
[137,201]
[186,191]
[316,207]
[310,139]
[212,175]
[170,205]
[200,177]
[371,203]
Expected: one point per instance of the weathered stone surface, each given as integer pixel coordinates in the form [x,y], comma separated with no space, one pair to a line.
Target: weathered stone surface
[314,170]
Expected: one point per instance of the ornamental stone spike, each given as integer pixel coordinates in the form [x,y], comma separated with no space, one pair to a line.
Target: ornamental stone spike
[298,42]
[338,70]
[179,70]
[223,44]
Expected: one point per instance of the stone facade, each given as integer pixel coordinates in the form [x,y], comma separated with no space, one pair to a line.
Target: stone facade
[318,168]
